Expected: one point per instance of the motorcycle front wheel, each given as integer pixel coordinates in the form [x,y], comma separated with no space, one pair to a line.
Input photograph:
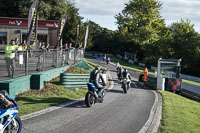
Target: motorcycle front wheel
[15,127]
[125,88]
[89,99]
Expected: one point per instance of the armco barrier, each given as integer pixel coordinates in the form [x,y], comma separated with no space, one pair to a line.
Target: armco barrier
[38,79]
[152,82]
[192,78]
[119,56]
[190,94]
[16,85]
[141,64]
[74,80]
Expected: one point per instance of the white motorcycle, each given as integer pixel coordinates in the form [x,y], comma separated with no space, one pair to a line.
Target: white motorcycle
[126,84]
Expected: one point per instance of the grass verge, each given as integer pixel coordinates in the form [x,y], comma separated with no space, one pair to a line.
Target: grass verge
[191,82]
[141,69]
[91,64]
[51,95]
[76,70]
[131,66]
[179,114]
[89,57]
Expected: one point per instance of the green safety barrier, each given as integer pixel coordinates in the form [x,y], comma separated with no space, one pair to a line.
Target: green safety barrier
[38,79]
[151,82]
[72,81]
[82,64]
[16,85]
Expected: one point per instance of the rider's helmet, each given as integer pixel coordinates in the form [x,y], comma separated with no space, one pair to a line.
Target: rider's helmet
[125,70]
[97,68]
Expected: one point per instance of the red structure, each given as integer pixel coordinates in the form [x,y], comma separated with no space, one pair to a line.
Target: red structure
[11,28]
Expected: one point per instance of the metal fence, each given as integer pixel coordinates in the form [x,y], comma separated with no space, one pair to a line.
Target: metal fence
[28,62]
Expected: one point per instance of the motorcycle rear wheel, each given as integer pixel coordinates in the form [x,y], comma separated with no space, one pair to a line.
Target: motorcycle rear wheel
[89,99]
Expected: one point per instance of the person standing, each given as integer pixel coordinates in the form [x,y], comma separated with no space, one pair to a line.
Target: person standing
[17,44]
[104,58]
[55,55]
[24,45]
[69,53]
[41,50]
[10,57]
[47,47]
[77,51]
[65,48]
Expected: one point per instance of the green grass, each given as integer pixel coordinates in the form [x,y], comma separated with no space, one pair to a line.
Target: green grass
[131,66]
[76,70]
[179,114]
[91,64]
[52,94]
[141,69]
[89,57]
[191,82]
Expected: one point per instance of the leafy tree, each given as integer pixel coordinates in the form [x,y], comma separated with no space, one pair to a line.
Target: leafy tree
[48,10]
[140,21]
[186,45]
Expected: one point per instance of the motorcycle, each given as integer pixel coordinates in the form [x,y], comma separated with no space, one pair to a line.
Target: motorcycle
[9,121]
[92,95]
[126,84]
[108,61]
[119,73]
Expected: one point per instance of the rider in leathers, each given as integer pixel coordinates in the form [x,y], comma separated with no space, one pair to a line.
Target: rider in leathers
[4,100]
[95,77]
[127,76]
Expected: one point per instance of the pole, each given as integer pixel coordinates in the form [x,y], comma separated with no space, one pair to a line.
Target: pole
[56,57]
[43,67]
[26,62]
[74,55]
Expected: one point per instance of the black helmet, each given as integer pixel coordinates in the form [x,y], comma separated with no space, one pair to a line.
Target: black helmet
[97,68]
[126,70]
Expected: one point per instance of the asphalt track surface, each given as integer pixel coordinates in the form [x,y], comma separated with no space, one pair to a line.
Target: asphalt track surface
[119,113]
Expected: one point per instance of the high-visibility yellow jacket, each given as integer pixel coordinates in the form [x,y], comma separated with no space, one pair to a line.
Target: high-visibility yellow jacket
[8,50]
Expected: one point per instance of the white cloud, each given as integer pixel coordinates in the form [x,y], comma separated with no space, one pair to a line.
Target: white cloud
[103,11]
[175,10]
[100,7]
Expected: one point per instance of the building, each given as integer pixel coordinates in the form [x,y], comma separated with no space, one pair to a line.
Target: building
[11,28]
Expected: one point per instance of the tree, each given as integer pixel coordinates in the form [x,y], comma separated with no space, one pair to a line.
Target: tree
[140,21]
[48,10]
[186,45]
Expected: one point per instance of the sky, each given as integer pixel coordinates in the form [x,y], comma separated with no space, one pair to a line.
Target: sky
[102,12]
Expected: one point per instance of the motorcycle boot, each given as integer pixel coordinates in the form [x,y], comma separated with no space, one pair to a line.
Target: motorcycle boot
[101,93]
[95,94]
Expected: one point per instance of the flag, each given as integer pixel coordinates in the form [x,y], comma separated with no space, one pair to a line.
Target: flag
[86,37]
[32,25]
[78,30]
[61,26]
